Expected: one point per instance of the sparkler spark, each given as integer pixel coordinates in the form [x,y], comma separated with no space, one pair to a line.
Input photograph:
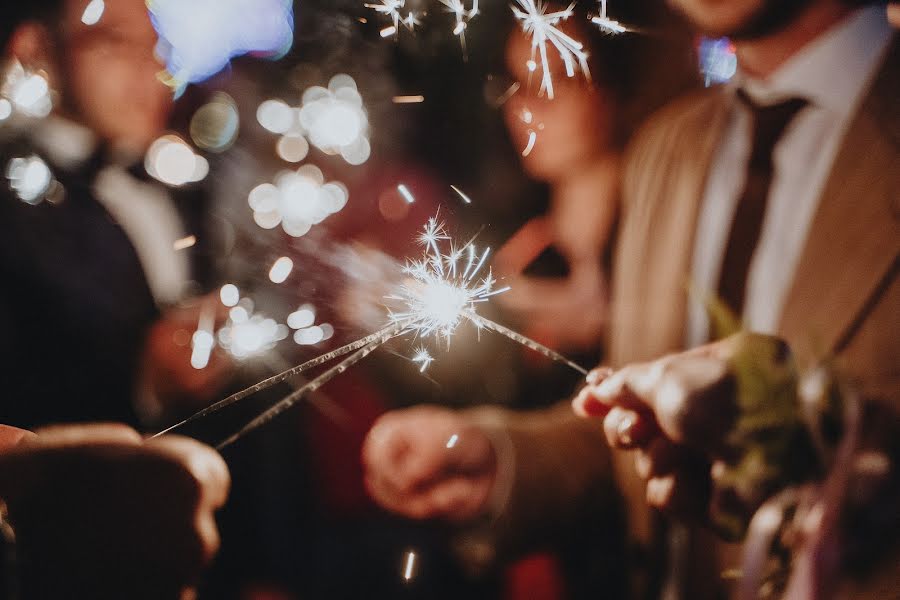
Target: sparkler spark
[463,16]
[443,290]
[424,358]
[394,9]
[606,24]
[542,27]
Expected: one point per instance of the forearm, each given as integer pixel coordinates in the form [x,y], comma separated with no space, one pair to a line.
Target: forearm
[553,475]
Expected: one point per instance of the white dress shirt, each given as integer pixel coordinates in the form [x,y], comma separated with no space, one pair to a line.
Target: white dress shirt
[144,211]
[832,73]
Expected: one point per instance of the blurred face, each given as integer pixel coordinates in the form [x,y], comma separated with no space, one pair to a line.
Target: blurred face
[109,73]
[739,19]
[568,131]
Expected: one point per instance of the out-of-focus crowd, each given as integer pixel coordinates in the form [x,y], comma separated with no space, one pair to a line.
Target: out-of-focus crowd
[727,254]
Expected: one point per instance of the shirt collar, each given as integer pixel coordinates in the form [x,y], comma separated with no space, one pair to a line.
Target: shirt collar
[66,143]
[832,71]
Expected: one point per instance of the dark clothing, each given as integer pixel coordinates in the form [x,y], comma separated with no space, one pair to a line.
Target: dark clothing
[75,305]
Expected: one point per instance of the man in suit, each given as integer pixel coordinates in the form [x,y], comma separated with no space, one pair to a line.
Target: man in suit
[90,261]
[779,193]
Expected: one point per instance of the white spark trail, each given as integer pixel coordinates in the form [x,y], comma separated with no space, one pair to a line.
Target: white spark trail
[542,27]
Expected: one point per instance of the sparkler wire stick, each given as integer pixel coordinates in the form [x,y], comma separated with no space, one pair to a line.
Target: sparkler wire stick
[276,379]
[291,399]
[521,339]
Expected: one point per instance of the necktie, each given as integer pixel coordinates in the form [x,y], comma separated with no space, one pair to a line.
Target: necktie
[769,123]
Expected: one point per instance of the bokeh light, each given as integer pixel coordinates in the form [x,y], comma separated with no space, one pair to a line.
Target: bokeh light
[92,12]
[718,60]
[230,295]
[30,178]
[27,92]
[297,200]
[335,120]
[307,333]
[247,335]
[199,38]
[304,316]
[172,161]
[215,125]
[281,270]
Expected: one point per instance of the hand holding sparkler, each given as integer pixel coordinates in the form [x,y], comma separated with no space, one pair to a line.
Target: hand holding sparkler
[444,289]
[731,404]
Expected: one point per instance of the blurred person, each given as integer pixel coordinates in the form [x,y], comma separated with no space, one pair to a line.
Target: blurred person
[91,265]
[94,512]
[822,158]
[732,435]
[575,151]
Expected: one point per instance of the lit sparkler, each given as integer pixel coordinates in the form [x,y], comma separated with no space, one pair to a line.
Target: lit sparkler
[607,25]
[463,16]
[394,10]
[444,288]
[542,27]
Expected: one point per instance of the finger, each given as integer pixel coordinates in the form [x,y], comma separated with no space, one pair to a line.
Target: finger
[79,435]
[684,493]
[694,401]
[660,457]
[13,436]
[203,463]
[627,429]
[599,375]
[587,405]
[459,498]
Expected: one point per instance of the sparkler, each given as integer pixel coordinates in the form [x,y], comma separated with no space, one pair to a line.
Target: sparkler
[542,27]
[443,289]
[606,24]
[463,16]
[393,9]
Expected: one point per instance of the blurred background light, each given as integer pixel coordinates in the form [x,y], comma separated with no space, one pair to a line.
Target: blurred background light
[297,200]
[281,270]
[335,120]
[251,336]
[215,125]
[199,38]
[172,161]
[275,115]
[92,12]
[27,92]
[30,178]
[718,60]
[230,295]
[301,318]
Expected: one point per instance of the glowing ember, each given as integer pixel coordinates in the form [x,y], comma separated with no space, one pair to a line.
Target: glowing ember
[606,24]
[542,27]
[394,9]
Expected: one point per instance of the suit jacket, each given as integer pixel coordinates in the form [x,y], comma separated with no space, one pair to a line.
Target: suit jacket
[75,305]
[845,299]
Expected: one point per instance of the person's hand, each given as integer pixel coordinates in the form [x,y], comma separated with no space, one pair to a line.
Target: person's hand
[99,513]
[709,425]
[168,371]
[428,462]
[893,13]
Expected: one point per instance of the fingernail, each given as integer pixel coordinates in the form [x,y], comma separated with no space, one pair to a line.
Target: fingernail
[598,375]
[625,429]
